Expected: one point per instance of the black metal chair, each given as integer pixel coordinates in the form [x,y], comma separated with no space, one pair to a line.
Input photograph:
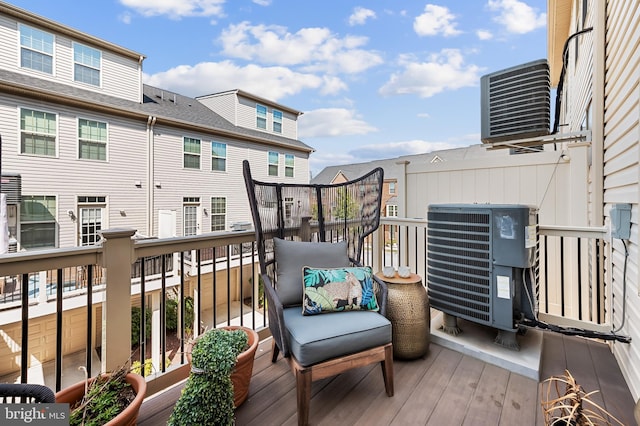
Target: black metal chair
[293,224]
[14,393]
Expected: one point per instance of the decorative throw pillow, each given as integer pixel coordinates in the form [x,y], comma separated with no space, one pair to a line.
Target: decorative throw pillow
[291,256]
[338,289]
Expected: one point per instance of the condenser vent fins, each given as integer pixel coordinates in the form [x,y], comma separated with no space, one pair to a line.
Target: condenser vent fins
[515,102]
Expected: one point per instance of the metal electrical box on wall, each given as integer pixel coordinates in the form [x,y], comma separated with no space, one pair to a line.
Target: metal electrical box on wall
[621,221]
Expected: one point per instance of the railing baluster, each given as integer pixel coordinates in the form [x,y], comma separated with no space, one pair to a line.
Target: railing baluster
[143,317]
[183,307]
[163,316]
[59,288]
[89,350]
[24,353]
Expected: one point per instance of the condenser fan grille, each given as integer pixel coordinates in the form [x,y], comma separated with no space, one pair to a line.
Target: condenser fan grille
[459,256]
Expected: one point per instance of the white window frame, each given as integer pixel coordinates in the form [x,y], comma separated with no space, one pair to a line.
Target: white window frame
[289,169]
[391,210]
[26,221]
[38,132]
[96,138]
[273,165]
[261,117]
[218,213]
[216,158]
[277,121]
[191,216]
[392,187]
[84,60]
[43,46]
[91,218]
[193,155]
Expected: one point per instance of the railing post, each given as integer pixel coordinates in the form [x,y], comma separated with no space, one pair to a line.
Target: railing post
[305,228]
[117,258]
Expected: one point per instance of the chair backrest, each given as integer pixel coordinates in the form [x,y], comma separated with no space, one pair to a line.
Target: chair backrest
[14,393]
[314,212]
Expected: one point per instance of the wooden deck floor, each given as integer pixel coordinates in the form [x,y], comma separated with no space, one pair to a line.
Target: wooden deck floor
[443,388]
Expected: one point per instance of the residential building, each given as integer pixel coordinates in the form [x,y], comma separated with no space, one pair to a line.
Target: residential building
[96,148]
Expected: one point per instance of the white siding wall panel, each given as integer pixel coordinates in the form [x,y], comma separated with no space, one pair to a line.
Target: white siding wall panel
[121,76]
[224,105]
[67,177]
[621,156]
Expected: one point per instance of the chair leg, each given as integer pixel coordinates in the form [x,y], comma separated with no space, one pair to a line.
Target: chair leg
[303,385]
[275,350]
[387,369]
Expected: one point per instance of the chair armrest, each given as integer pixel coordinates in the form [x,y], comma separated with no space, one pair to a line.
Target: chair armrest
[12,392]
[382,295]
[276,316]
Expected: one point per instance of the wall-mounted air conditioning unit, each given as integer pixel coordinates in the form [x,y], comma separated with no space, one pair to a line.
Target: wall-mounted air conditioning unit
[481,265]
[515,102]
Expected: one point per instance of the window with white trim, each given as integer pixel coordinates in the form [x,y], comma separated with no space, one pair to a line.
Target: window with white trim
[277,121]
[392,187]
[36,49]
[261,116]
[92,140]
[87,63]
[288,165]
[218,213]
[190,207]
[273,163]
[38,132]
[218,156]
[191,152]
[90,218]
[38,221]
[392,210]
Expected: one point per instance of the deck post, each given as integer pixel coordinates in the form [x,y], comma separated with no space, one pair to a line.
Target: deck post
[116,306]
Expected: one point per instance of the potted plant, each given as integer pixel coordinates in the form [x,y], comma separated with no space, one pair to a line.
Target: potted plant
[208,396]
[566,403]
[241,373]
[108,399]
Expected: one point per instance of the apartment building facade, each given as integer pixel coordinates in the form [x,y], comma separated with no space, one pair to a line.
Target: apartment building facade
[96,148]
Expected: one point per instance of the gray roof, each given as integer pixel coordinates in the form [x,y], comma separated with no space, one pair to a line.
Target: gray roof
[173,108]
[393,170]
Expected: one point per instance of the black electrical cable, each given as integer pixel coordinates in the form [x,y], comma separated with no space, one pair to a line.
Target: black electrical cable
[560,88]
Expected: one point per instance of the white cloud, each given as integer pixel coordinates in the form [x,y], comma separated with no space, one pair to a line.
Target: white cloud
[423,115]
[443,71]
[397,149]
[435,20]
[262,2]
[516,16]
[325,122]
[360,16]
[484,34]
[176,9]
[272,83]
[125,18]
[315,49]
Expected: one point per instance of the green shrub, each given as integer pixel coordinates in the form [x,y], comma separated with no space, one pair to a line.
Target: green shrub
[135,325]
[207,398]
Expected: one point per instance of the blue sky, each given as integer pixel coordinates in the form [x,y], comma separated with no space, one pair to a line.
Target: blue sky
[375,79]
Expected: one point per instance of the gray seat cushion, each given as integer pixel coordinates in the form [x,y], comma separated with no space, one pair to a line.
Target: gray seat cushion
[321,337]
[292,256]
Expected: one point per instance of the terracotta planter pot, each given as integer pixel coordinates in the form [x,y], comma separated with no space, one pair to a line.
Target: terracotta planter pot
[241,374]
[128,416]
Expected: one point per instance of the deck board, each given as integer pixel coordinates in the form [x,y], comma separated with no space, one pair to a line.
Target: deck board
[445,388]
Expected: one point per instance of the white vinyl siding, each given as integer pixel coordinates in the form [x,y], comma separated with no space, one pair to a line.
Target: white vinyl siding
[38,132]
[218,213]
[273,163]
[36,49]
[621,176]
[38,215]
[87,64]
[218,156]
[289,165]
[191,153]
[92,140]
